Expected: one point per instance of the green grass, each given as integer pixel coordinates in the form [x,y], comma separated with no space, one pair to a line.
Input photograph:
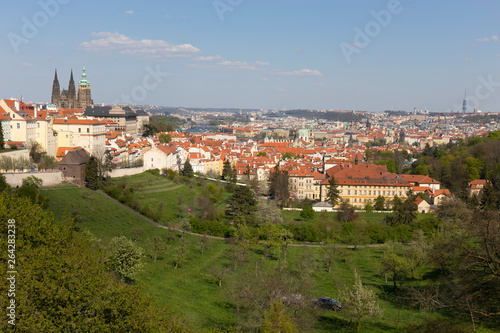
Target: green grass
[158,191]
[369,217]
[193,291]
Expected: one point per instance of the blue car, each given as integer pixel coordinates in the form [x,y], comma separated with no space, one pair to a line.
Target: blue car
[328,303]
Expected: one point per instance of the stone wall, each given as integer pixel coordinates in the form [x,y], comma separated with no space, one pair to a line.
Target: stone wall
[49,178]
[126,172]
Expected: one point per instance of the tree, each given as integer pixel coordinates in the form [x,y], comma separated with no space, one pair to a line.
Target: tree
[226,170]
[346,212]
[276,320]
[268,212]
[47,162]
[262,153]
[333,193]
[92,173]
[32,181]
[360,302]
[64,284]
[36,151]
[307,213]
[395,263]
[4,186]
[279,185]
[405,212]
[125,257]
[243,204]
[329,251]
[148,131]
[165,138]
[187,170]
[104,163]
[2,143]
[379,203]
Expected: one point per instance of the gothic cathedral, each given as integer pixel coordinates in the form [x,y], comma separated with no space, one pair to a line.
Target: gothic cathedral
[68,99]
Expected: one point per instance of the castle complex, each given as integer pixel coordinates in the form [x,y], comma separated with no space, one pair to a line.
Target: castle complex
[69,99]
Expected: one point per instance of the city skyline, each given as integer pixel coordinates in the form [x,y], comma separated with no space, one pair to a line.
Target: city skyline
[371,55]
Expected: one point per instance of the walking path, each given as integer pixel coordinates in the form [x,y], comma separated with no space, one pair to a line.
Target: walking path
[215,237]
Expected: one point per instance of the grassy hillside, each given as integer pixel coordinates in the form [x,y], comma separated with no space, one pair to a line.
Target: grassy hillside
[193,290]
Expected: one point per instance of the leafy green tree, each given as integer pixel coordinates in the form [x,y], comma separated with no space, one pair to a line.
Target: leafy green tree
[32,181]
[92,173]
[276,320]
[489,198]
[64,285]
[379,203]
[125,257]
[4,186]
[187,170]
[262,153]
[165,138]
[47,162]
[307,213]
[369,208]
[287,155]
[243,204]
[405,212]
[33,194]
[333,193]
[360,302]
[395,263]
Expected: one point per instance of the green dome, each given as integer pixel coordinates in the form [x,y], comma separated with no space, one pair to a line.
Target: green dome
[84,81]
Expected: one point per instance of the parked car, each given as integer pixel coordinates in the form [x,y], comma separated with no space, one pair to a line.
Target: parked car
[328,303]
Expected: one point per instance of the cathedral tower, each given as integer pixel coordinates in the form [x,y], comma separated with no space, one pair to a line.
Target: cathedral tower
[71,93]
[84,96]
[56,91]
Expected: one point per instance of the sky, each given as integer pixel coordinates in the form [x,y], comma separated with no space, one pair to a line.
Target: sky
[370,55]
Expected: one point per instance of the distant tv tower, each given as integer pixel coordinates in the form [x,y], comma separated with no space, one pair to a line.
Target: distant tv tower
[464,107]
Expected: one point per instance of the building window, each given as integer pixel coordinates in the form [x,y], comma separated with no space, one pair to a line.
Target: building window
[18,126]
[79,130]
[88,130]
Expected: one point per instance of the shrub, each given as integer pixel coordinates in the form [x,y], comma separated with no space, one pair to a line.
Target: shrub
[155,172]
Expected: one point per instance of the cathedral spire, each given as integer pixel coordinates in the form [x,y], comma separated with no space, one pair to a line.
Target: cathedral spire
[56,91]
[71,92]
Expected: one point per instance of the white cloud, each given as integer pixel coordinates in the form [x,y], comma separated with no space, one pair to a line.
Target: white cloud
[168,16]
[282,90]
[469,59]
[493,38]
[147,48]
[482,39]
[209,58]
[130,12]
[221,63]
[302,72]
[27,65]
[262,63]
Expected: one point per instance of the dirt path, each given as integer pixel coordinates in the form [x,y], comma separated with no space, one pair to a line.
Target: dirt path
[215,237]
[160,190]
